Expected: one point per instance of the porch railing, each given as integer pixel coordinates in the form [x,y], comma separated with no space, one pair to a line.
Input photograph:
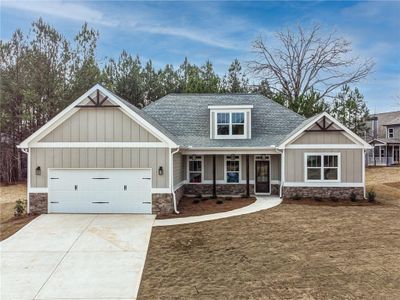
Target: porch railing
[380,161]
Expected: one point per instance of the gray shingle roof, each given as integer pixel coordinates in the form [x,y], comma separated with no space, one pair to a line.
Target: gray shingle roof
[187,118]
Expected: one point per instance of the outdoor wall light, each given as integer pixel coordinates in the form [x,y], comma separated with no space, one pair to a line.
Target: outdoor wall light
[38,171]
[160,171]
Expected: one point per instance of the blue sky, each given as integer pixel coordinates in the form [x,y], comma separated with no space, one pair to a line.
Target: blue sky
[166,32]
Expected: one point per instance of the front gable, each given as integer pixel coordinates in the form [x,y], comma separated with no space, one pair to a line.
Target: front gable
[98,116]
[323,130]
[108,124]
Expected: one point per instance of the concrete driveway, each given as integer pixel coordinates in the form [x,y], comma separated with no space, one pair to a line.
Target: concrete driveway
[76,257]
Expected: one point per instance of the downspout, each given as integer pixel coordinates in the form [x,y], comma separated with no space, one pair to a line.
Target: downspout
[282,171]
[28,177]
[171,181]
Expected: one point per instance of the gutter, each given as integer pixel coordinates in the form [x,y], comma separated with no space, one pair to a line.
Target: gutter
[171,181]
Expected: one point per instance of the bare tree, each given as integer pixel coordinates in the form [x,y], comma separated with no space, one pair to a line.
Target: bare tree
[307,61]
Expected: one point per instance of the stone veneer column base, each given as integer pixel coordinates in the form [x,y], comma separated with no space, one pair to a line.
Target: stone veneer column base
[38,203]
[162,203]
[323,192]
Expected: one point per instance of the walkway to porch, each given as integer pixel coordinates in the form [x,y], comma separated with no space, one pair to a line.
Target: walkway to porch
[262,203]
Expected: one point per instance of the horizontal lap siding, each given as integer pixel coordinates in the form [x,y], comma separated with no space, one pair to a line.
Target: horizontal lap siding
[99,125]
[100,158]
[351,164]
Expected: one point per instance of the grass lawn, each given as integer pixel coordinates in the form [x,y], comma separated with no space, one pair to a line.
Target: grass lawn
[289,252]
[8,223]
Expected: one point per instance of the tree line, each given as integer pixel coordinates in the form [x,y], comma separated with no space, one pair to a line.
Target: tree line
[42,72]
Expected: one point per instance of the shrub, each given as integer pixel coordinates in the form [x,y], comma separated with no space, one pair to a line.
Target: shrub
[371,195]
[195,201]
[353,197]
[296,197]
[19,208]
[228,198]
[198,196]
[220,201]
[204,199]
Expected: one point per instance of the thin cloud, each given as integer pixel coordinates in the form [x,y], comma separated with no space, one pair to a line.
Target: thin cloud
[72,11]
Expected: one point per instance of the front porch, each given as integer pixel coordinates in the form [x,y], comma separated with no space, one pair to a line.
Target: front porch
[384,154]
[212,175]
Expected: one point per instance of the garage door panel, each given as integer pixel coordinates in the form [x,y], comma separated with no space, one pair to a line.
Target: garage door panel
[100,191]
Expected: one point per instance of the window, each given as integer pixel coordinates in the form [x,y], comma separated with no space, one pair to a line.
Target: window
[232,168]
[390,133]
[195,169]
[230,124]
[322,167]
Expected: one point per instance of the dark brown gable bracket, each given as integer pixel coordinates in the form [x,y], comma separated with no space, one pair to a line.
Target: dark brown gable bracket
[323,127]
[98,102]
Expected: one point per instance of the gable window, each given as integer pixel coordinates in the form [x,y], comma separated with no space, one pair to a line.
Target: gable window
[322,167]
[390,133]
[230,124]
[232,167]
[195,169]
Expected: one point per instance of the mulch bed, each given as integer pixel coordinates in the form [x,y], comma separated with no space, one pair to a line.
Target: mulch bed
[328,202]
[189,207]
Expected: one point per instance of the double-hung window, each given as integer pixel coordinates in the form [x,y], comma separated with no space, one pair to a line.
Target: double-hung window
[232,168]
[322,167]
[231,124]
[195,169]
[390,133]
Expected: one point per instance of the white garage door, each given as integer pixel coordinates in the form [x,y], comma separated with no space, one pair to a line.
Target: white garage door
[100,191]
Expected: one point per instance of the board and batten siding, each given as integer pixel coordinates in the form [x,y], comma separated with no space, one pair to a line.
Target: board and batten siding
[323,137]
[100,158]
[179,168]
[220,167]
[350,164]
[99,125]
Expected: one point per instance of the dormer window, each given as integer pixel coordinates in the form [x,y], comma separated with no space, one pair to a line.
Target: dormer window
[230,122]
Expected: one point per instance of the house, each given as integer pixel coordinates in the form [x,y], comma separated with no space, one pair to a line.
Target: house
[384,136]
[103,155]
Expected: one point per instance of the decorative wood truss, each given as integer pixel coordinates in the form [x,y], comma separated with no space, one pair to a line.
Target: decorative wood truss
[324,126]
[98,102]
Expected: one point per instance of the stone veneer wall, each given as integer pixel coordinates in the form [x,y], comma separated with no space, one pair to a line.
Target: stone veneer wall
[222,189]
[323,192]
[162,203]
[38,203]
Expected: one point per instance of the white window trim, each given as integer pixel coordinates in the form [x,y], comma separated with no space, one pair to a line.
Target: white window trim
[230,135]
[188,171]
[225,169]
[322,154]
[389,134]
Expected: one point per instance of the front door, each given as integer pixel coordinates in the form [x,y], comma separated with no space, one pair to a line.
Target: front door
[262,176]
[396,154]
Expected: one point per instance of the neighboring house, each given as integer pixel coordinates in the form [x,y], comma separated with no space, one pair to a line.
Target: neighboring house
[104,155]
[384,136]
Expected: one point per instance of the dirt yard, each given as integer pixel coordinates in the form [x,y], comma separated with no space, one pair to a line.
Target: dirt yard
[8,223]
[189,206]
[292,251]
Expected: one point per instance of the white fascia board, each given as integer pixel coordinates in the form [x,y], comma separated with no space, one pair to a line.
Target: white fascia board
[71,109]
[324,146]
[219,107]
[99,145]
[233,150]
[350,134]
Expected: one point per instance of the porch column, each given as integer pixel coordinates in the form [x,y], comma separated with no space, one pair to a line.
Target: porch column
[214,178]
[247,176]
